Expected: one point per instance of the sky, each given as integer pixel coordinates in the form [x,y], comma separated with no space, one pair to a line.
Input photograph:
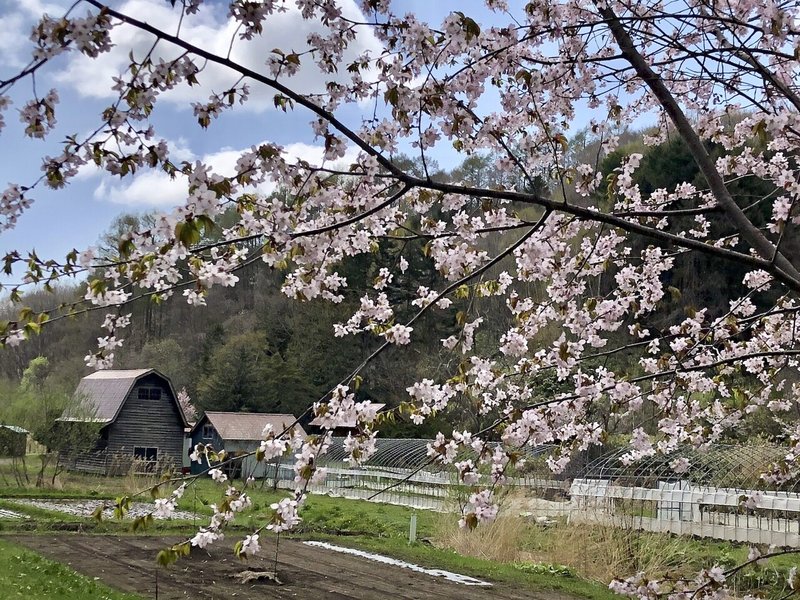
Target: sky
[76,216]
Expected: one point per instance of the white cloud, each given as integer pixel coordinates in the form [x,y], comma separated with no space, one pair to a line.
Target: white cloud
[17,19]
[155,189]
[146,190]
[37,8]
[13,41]
[213,31]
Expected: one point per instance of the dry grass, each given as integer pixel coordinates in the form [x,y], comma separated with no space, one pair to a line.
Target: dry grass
[140,476]
[593,551]
[602,552]
[502,540]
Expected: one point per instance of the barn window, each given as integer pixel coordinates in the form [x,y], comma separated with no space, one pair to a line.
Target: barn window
[145,453]
[149,393]
[208,431]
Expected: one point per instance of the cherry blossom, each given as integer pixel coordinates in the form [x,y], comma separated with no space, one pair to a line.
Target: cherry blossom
[579,273]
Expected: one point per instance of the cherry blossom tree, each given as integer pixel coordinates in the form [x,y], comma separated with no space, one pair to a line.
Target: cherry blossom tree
[721,77]
[189,411]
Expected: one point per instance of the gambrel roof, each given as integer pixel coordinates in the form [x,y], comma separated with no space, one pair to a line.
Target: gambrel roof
[246,426]
[100,396]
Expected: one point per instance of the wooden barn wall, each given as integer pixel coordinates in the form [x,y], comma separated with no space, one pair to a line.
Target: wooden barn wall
[149,423]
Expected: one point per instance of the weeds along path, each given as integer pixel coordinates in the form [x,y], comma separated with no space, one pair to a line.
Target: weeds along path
[128,563]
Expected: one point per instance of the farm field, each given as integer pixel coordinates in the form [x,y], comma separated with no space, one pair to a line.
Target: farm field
[110,551]
[520,558]
[126,563]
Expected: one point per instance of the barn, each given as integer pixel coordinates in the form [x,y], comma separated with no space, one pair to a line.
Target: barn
[139,416]
[238,433]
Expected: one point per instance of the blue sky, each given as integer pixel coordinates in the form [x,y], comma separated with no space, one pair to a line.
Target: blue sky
[75,217]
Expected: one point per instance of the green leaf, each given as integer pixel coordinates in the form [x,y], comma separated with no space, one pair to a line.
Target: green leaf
[123,505]
[125,247]
[207,223]
[166,557]
[470,27]
[187,232]
[391,96]
[97,513]
[471,520]
[283,102]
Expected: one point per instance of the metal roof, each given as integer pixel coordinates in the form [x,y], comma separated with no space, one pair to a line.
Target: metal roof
[317,422]
[15,429]
[100,396]
[246,426]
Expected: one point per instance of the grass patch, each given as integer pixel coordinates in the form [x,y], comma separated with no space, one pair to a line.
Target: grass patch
[321,514]
[26,575]
[599,553]
[509,573]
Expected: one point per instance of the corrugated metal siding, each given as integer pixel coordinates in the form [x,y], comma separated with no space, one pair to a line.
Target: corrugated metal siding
[252,468]
[149,423]
[247,467]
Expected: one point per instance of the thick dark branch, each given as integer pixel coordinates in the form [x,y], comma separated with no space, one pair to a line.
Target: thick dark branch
[356,218]
[255,76]
[680,212]
[590,215]
[716,184]
[782,269]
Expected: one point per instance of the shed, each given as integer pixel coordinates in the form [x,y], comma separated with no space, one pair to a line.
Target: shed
[140,418]
[13,440]
[238,433]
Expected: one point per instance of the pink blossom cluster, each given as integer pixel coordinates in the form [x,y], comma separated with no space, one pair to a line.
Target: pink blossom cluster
[579,272]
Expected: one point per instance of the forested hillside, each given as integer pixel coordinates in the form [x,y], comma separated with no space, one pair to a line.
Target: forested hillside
[252,348]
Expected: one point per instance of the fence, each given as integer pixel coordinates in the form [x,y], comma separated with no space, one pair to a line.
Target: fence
[113,464]
[399,472]
[684,509]
[721,496]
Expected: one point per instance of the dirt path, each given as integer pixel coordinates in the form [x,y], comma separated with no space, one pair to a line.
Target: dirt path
[127,563]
